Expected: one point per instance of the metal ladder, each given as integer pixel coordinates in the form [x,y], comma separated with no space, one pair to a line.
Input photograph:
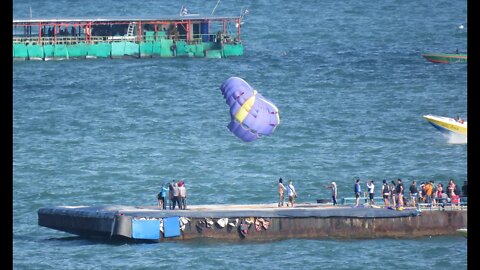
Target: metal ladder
[131,26]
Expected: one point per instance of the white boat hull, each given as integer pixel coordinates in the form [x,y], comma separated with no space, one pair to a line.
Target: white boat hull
[447,124]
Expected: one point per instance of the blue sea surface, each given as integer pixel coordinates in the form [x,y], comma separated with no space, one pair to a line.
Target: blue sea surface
[351,86]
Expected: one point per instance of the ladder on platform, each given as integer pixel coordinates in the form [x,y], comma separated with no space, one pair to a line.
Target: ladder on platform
[131,26]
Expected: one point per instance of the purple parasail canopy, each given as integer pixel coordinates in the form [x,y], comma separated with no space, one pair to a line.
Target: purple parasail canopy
[252,115]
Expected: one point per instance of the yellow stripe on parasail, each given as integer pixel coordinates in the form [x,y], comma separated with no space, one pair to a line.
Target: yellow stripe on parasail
[246,107]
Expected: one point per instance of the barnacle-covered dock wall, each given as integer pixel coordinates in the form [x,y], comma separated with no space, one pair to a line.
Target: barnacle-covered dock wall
[262,222]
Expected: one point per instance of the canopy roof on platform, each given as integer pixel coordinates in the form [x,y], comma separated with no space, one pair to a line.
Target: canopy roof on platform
[176,18]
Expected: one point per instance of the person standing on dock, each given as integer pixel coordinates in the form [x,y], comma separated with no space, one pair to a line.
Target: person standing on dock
[413,193]
[400,190]
[159,199]
[421,193]
[428,191]
[176,196]
[434,191]
[451,188]
[441,197]
[182,204]
[334,192]
[393,192]
[281,192]
[162,196]
[385,193]
[292,194]
[165,195]
[371,191]
[171,198]
[358,191]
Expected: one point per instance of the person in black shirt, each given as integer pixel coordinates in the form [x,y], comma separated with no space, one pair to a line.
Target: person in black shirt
[385,193]
[400,190]
[413,193]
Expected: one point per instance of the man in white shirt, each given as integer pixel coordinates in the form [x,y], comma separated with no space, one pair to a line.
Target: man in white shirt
[371,191]
[182,195]
[292,194]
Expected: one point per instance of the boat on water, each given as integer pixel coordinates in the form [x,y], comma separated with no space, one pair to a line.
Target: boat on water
[448,125]
[446,58]
[188,35]
[462,232]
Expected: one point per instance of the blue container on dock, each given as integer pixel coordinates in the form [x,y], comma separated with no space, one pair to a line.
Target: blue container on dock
[146,229]
[171,226]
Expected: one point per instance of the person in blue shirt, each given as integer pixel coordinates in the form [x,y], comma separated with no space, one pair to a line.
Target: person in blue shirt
[358,191]
[162,195]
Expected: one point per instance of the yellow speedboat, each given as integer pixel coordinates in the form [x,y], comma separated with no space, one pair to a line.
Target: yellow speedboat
[447,124]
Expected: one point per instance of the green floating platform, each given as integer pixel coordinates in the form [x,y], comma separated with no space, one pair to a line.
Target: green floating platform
[35,52]
[214,54]
[121,49]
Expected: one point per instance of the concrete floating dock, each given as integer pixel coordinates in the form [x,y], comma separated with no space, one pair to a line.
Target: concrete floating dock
[260,222]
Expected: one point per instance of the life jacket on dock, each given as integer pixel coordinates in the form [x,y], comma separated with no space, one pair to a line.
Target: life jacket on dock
[455,199]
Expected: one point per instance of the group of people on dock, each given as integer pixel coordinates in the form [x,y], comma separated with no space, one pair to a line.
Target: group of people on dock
[173,194]
[438,194]
[394,193]
[291,193]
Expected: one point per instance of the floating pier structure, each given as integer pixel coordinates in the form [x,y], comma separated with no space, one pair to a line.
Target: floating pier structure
[262,222]
[168,36]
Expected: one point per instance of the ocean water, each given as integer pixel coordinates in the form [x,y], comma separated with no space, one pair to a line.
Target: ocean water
[351,87]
